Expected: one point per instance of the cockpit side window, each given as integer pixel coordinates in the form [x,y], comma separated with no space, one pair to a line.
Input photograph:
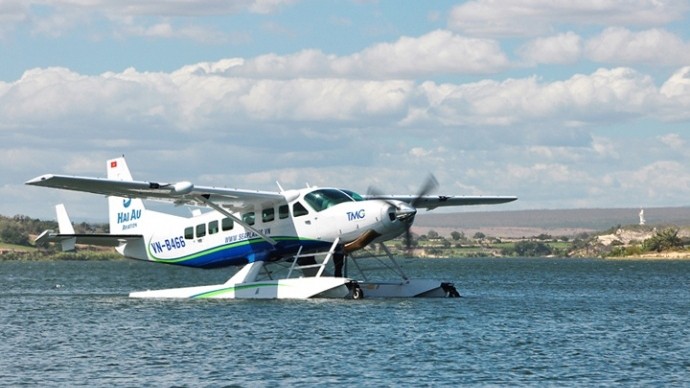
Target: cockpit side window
[299,210]
[325,198]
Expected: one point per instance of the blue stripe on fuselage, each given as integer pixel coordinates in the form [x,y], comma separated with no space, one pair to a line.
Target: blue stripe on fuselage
[245,252]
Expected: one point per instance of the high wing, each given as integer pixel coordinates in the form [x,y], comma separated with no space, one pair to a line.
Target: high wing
[431,202]
[180,193]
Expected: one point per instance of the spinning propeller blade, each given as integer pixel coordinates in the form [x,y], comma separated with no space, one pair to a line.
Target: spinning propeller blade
[429,185]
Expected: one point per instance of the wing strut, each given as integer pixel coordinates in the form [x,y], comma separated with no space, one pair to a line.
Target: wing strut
[225,212]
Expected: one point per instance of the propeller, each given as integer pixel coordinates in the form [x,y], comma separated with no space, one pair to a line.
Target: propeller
[429,185]
[404,213]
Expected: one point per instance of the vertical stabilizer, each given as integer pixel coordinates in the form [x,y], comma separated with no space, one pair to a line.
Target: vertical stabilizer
[65,227]
[64,223]
[117,169]
[125,214]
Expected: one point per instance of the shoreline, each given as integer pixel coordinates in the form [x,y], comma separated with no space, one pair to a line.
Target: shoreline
[670,255]
[662,256]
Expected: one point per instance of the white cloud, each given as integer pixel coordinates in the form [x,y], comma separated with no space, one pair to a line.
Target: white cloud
[55,24]
[535,17]
[437,52]
[674,141]
[131,18]
[563,48]
[419,152]
[11,14]
[323,102]
[605,148]
[550,172]
[268,6]
[354,121]
[67,98]
[622,46]
[166,30]
[657,181]
[324,99]
[605,95]
[202,97]
[614,45]
[676,91]
[303,64]
[678,85]
[164,8]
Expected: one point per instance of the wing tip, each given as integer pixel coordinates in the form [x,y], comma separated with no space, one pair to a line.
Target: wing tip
[38,180]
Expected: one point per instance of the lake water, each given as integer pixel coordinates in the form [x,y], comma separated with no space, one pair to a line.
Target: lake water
[562,322]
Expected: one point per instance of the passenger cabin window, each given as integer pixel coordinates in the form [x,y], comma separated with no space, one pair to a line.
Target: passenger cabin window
[324,198]
[283,212]
[200,230]
[249,218]
[299,210]
[227,224]
[268,214]
[189,233]
[213,227]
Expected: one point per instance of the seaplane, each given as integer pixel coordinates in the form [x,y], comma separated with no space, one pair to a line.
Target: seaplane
[290,244]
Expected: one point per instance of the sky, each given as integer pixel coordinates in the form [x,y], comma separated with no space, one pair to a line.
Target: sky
[564,104]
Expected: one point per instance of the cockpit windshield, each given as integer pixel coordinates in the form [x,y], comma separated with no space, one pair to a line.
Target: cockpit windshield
[353,195]
[324,198]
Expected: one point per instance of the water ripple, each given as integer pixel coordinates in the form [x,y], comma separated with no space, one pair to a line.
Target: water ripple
[521,322]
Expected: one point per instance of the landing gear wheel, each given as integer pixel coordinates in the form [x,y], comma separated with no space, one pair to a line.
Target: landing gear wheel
[357,292]
[450,290]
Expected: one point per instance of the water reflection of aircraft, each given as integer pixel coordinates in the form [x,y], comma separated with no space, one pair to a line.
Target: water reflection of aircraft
[291,244]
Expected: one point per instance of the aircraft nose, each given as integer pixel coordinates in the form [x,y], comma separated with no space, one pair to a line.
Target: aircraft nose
[404,212]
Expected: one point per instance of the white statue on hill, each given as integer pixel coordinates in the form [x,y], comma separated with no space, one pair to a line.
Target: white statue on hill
[642,220]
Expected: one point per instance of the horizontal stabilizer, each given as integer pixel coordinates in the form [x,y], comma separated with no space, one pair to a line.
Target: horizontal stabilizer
[100,239]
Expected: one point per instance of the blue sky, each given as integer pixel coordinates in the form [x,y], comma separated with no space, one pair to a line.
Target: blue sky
[564,104]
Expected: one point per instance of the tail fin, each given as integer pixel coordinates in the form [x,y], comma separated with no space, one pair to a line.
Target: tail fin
[64,223]
[65,227]
[125,214]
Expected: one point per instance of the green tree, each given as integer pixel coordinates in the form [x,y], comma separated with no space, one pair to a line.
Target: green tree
[12,232]
[664,240]
[455,235]
[528,248]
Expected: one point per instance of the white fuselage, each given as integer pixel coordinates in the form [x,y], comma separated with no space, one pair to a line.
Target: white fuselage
[309,218]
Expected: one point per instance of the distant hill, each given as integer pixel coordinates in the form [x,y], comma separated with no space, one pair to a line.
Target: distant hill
[557,222]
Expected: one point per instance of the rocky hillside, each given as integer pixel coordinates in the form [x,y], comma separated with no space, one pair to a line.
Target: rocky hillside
[560,222]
